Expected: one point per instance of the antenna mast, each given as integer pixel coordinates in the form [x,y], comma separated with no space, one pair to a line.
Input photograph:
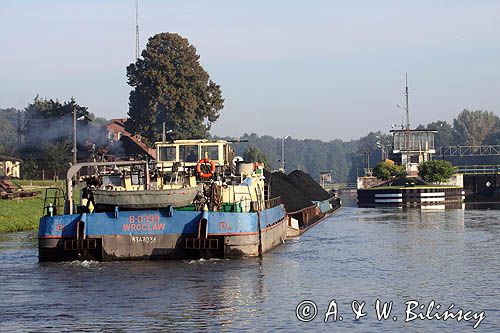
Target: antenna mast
[136,29]
[407,109]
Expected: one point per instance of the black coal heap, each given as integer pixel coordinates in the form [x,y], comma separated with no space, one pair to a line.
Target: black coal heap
[297,190]
[308,186]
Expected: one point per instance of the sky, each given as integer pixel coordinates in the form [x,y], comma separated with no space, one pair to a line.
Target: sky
[309,69]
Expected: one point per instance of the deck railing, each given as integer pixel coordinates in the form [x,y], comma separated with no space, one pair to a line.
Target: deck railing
[272,202]
[478,169]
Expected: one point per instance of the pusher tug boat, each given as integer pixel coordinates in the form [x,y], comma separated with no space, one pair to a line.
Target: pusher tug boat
[196,201]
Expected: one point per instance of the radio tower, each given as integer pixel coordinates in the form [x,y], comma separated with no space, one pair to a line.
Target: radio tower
[407,106]
[136,29]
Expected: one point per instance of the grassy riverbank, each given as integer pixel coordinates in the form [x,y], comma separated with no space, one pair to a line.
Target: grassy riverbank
[24,213]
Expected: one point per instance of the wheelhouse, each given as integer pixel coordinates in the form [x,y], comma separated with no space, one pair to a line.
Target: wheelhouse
[189,152]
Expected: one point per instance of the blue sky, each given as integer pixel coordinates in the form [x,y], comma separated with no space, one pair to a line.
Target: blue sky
[309,69]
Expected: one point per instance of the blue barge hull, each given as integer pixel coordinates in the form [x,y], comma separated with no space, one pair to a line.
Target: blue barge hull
[160,234]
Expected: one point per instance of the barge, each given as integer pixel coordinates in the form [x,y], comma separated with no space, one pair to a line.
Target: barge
[301,221]
[195,201]
[306,202]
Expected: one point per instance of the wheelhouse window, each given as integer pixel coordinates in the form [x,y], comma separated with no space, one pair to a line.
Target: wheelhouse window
[167,154]
[212,152]
[114,180]
[414,159]
[135,177]
[188,153]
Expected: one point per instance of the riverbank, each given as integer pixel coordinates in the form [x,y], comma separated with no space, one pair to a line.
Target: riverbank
[24,213]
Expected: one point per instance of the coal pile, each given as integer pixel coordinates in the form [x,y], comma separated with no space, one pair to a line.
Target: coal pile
[291,197]
[308,186]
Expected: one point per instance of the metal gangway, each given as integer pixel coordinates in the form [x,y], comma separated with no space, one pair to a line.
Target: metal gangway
[463,151]
[478,169]
[471,151]
[341,187]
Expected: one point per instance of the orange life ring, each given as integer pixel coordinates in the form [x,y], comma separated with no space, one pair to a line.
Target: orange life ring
[205,161]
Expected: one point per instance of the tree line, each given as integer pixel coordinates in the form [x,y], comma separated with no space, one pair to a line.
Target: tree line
[41,134]
[45,133]
[348,159]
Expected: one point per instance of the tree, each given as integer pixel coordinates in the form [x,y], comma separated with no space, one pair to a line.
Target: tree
[436,171]
[366,151]
[446,134]
[399,171]
[386,170]
[7,136]
[29,169]
[170,85]
[49,108]
[382,171]
[49,120]
[11,115]
[254,154]
[57,156]
[474,128]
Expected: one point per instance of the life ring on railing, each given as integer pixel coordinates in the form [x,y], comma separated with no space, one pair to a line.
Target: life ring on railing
[203,163]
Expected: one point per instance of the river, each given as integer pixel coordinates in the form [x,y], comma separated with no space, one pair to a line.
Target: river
[446,256]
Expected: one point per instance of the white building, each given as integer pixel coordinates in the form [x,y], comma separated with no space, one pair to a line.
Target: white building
[10,166]
[412,147]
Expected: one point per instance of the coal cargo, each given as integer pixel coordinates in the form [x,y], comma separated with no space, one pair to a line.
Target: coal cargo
[308,186]
[305,201]
[291,197]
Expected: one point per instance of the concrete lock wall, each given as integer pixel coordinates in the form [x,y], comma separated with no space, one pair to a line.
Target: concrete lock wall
[482,188]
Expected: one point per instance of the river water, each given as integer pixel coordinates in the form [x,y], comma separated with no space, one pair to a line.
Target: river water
[446,256]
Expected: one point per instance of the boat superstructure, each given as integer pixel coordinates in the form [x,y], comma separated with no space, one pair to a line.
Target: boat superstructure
[195,200]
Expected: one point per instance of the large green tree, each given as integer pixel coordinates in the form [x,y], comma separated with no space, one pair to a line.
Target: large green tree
[476,128]
[170,85]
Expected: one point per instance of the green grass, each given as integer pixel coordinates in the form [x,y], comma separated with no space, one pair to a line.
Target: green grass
[39,183]
[416,187]
[24,213]
[21,214]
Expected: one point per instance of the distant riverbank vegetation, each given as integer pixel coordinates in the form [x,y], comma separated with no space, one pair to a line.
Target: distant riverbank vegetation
[346,159]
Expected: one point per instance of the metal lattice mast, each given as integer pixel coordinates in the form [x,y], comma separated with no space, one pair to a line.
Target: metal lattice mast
[136,29]
[407,106]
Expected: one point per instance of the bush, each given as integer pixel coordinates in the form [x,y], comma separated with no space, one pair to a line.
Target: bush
[29,169]
[436,171]
[399,171]
[382,171]
[387,169]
